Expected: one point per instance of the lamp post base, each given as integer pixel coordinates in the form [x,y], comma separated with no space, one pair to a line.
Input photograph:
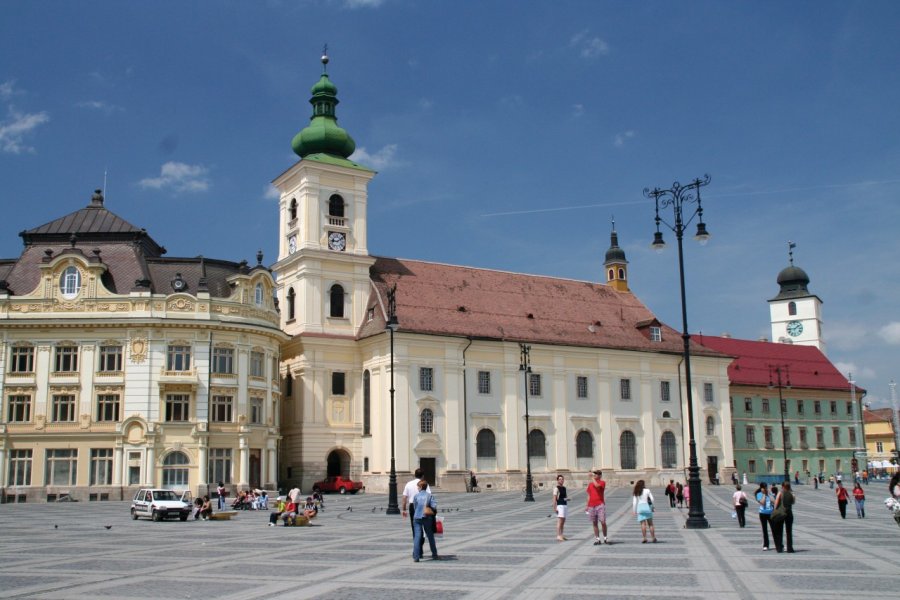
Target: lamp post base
[696,517]
[392,508]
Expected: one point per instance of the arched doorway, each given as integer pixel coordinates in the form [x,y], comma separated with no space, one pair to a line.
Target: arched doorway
[338,463]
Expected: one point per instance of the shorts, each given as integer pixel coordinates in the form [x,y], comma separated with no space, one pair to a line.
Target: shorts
[597,513]
[562,510]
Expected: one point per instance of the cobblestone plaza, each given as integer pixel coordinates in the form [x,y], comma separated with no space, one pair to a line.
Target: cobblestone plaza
[495,546]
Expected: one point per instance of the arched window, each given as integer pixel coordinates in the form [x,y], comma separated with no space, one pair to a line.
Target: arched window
[667,414]
[627,450]
[610,275]
[293,209]
[336,206]
[621,273]
[70,282]
[537,444]
[485,444]
[258,297]
[584,445]
[669,456]
[175,469]
[291,297]
[426,421]
[792,308]
[337,301]
[367,403]
[710,426]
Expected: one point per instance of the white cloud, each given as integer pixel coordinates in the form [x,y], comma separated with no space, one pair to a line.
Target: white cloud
[589,46]
[14,129]
[363,3]
[847,335]
[101,105]
[577,110]
[848,368]
[179,177]
[8,89]
[270,192]
[382,159]
[621,138]
[891,333]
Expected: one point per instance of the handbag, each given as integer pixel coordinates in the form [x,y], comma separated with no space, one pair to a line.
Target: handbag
[428,512]
[778,515]
[743,501]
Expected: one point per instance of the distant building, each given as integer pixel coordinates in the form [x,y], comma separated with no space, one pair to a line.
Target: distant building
[821,423]
[880,439]
[796,313]
[121,367]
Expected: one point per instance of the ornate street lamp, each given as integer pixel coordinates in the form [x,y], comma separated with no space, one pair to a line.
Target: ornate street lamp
[786,384]
[392,324]
[676,197]
[525,367]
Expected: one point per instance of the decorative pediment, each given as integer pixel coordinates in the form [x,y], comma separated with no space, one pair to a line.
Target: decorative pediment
[428,445]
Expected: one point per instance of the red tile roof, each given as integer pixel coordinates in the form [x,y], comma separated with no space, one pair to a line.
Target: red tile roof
[807,366]
[440,299]
[878,415]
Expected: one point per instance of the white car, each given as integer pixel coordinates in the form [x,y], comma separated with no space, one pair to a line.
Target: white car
[158,504]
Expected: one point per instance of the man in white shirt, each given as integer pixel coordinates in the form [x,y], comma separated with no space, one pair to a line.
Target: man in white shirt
[409,493]
[294,495]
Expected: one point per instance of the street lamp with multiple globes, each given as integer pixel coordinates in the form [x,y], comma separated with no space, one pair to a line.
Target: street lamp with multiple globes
[525,367]
[786,384]
[392,324]
[676,197]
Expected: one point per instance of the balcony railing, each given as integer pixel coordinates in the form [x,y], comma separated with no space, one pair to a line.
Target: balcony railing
[770,445]
[337,221]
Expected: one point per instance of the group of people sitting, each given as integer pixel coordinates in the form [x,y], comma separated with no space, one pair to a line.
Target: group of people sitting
[251,500]
[202,508]
[288,511]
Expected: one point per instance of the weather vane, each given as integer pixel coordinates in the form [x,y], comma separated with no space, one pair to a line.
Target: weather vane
[325,57]
[791,246]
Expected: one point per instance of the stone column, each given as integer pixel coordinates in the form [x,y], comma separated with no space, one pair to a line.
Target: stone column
[202,467]
[272,465]
[118,465]
[244,475]
[150,470]
[4,469]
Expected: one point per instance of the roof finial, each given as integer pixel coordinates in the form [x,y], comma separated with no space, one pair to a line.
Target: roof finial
[613,217]
[259,256]
[791,246]
[325,58]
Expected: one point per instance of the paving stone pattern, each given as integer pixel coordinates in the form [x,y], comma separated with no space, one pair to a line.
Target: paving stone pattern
[495,546]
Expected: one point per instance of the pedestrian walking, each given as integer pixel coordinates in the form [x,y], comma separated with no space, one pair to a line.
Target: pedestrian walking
[687,495]
[894,485]
[766,506]
[220,492]
[740,505]
[642,508]
[424,510]
[782,520]
[859,496]
[670,492]
[410,491]
[560,506]
[679,494]
[596,506]
[842,498]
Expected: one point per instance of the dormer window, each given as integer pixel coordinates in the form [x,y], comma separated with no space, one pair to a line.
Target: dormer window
[70,283]
[655,333]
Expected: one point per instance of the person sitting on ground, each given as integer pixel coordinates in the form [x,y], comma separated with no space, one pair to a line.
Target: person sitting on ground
[206,509]
[310,510]
[319,500]
[264,501]
[198,504]
[290,514]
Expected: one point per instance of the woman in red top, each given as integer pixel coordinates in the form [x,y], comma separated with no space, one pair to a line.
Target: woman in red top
[842,498]
[860,497]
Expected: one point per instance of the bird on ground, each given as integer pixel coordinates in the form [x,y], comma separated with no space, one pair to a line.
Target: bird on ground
[108,526]
[56,527]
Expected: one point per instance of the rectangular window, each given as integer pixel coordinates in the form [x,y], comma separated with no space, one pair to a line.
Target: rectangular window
[751,436]
[802,431]
[62,467]
[748,406]
[256,411]
[338,384]
[426,379]
[63,408]
[817,407]
[18,409]
[484,382]
[655,333]
[767,436]
[223,360]
[665,391]
[820,437]
[534,384]
[19,467]
[257,364]
[221,407]
[786,437]
[879,447]
[770,466]
[708,392]
[108,407]
[625,389]
[177,407]
[22,359]
[178,358]
[852,431]
[783,406]
[66,359]
[836,436]
[751,466]
[833,408]
[581,384]
[101,466]
[849,409]
[799,407]
[765,406]
[219,465]
[110,359]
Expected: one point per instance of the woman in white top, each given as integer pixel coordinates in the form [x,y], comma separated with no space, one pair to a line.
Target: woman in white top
[739,499]
[642,506]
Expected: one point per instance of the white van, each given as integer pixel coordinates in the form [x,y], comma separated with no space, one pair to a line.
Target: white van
[159,504]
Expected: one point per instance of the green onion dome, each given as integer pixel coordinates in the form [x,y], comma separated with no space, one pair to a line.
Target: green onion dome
[323,135]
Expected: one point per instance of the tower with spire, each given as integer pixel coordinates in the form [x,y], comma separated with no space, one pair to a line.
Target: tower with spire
[616,265]
[796,313]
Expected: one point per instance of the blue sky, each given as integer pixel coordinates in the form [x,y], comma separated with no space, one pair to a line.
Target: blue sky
[506,135]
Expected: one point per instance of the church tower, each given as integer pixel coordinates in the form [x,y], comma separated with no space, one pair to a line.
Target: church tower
[796,314]
[323,262]
[616,265]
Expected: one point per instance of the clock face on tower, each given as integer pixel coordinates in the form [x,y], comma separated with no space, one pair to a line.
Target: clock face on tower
[292,244]
[337,240]
[794,328]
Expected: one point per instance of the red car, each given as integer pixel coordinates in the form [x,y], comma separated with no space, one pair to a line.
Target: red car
[338,484]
